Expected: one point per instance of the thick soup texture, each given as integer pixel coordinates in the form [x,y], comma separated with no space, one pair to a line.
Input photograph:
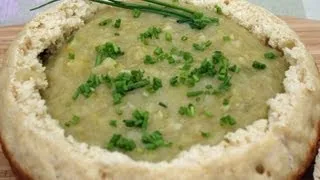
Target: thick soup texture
[149,87]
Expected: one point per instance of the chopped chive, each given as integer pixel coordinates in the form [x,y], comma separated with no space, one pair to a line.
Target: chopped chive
[194,93]
[105,22]
[117,24]
[184,38]
[113,123]
[174,81]
[187,110]
[151,33]
[156,84]
[218,9]
[71,56]
[202,46]
[162,104]
[136,13]
[139,119]
[258,65]
[86,89]
[149,60]
[227,121]
[117,34]
[171,60]
[196,20]
[226,38]
[158,51]
[234,68]
[198,99]
[120,142]
[270,55]
[154,140]
[205,134]
[225,102]
[109,49]
[168,37]
[74,121]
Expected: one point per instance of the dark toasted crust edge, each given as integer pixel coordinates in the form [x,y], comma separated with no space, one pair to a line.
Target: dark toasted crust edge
[18,171]
[311,155]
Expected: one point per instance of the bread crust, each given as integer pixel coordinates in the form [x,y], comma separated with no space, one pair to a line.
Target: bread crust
[16,168]
[280,147]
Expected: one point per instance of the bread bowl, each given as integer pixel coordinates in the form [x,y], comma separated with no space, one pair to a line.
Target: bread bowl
[287,138]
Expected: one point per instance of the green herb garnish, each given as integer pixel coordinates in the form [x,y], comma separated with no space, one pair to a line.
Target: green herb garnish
[152,33]
[234,68]
[206,69]
[113,123]
[202,46]
[119,142]
[194,93]
[184,38]
[87,88]
[174,81]
[168,36]
[156,84]
[117,34]
[270,55]
[227,121]
[158,51]
[136,13]
[74,121]
[225,102]
[258,65]
[105,22]
[196,20]
[218,9]
[205,134]
[226,38]
[162,104]
[154,140]
[171,60]
[149,60]
[107,50]
[187,110]
[126,82]
[139,119]
[117,24]
[71,56]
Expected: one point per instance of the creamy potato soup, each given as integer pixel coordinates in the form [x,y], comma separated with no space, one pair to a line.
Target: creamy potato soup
[147,86]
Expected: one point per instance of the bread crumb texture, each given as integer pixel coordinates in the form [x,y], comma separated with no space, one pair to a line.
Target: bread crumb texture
[275,148]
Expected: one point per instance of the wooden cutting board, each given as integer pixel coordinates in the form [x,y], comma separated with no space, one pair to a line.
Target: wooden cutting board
[308,30]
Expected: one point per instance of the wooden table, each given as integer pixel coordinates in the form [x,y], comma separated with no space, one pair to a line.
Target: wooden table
[308,30]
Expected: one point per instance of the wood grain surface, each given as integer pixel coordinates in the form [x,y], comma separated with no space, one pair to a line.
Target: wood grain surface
[308,30]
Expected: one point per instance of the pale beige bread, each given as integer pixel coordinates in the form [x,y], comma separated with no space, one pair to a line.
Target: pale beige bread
[279,147]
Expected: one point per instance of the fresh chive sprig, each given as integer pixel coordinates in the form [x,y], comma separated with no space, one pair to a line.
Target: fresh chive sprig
[195,19]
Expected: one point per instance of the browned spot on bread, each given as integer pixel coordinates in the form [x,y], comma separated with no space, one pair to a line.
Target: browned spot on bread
[260,169]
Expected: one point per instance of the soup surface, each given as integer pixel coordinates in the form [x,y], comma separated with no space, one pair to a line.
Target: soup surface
[150,87]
